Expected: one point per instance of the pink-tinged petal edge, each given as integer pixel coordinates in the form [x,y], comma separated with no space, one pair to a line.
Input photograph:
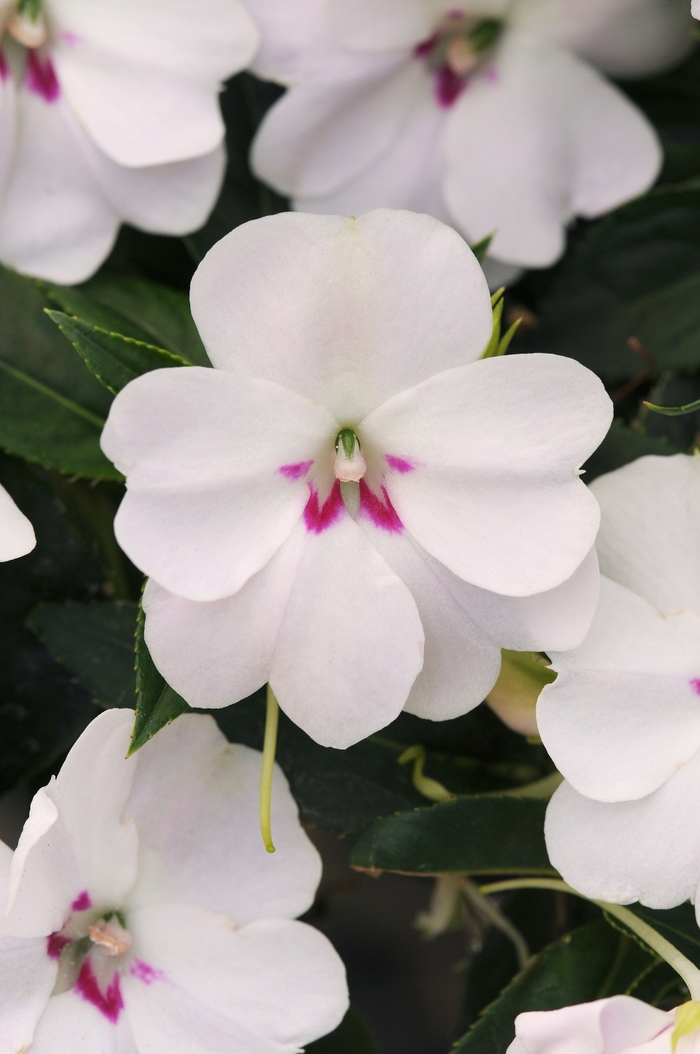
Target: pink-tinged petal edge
[40,77]
[109,1003]
[381,512]
[317,517]
[400,464]
[82,902]
[143,972]
[295,471]
[55,943]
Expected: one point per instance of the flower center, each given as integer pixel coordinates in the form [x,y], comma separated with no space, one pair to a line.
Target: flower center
[349,465]
[460,46]
[28,25]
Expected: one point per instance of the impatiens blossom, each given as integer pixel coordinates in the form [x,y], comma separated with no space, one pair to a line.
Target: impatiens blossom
[16,532]
[349,505]
[622,719]
[492,115]
[141,914]
[108,112]
[618,1025]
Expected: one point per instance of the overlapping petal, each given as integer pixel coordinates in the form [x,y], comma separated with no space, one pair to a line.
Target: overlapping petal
[380,26]
[16,532]
[495,448]
[606,1026]
[207,503]
[71,1025]
[624,712]
[582,148]
[195,803]
[362,308]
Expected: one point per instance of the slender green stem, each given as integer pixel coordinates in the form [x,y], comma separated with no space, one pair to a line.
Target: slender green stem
[426,786]
[268,766]
[495,916]
[663,948]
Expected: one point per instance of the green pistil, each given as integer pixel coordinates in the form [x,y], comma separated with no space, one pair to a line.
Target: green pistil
[484,34]
[30,9]
[348,440]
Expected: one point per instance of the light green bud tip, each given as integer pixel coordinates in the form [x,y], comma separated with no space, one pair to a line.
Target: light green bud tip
[687,1021]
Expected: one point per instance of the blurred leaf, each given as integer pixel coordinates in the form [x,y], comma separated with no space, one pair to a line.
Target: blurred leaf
[350,1037]
[96,643]
[157,704]
[145,311]
[475,835]
[635,273]
[587,964]
[51,408]
[621,445]
[114,359]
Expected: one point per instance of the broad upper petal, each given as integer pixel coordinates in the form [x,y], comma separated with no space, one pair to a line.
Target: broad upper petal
[350,644]
[16,532]
[77,838]
[207,502]
[624,712]
[281,982]
[380,25]
[649,537]
[143,78]
[582,148]
[493,450]
[347,312]
[646,850]
[71,1025]
[195,802]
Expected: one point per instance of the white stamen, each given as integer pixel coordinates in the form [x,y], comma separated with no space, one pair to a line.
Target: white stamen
[30,32]
[460,56]
[110,936]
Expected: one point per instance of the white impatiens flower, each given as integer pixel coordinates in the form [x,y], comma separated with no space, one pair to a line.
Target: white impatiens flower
[16,532]
[108,112]
[142,915]
[617,1025]
[492,115]
[622,719]
[351,506]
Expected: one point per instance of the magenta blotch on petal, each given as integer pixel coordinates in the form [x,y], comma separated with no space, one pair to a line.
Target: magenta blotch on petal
[4,69]
[82,902]
[448,86]
[41,78]
[399,464]
[381,513]
[143,972]
[695,685]
[295,471]
[109,1003]
[318,518]
[55,943]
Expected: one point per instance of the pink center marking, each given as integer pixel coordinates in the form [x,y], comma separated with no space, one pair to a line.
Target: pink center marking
[109,1003]
[69,38]
[82,902]
[399,464]
[55,943]
[448,86]
[381,513]
[318,518]
[295,471]
[695,685]
[145,973]
[40,77]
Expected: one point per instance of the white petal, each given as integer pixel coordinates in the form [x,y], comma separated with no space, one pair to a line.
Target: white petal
[542,139]
[54,219]
[208,502]
[195,800]
[351,642]
[606,1026]
[216,652]
[291,38]
[380,26]
[77,840]
[624,713]
[494,449]
[646,850]
[278,980]
[71,1025]
[461,662]
[325,132]
[552,621]
[28,976]
[343,291]
[144,78]
[649,536]
[16,532]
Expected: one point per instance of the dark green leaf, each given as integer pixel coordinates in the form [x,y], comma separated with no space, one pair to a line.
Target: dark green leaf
[350,1037]
[96,643]
[678,925]
[145,311]
[51,408]
[156,702]
[589,963]
[114,359]
[476,835]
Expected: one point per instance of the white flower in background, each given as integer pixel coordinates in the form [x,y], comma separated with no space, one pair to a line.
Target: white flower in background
[108,112]
[616,1025]
[622,719]
[16,532]
[350,506]
[492,115]
[144,915]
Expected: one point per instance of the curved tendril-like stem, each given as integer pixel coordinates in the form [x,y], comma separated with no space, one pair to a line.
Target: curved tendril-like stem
[268,765]
[663,948]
